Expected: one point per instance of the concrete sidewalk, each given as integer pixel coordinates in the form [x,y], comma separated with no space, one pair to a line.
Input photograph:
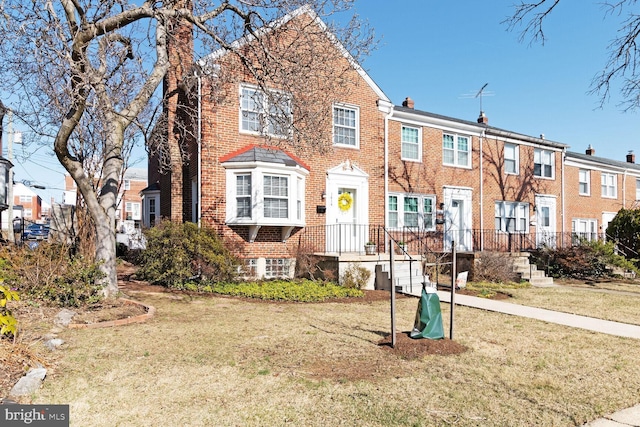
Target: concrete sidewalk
[624,418]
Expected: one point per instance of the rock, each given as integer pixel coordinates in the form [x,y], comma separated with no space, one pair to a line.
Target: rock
[53,343]
[64,317]
[29,383]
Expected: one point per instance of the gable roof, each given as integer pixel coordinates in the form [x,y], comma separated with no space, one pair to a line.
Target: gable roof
[253,153]
[306,9]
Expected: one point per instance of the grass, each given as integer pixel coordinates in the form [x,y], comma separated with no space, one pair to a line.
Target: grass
[221,361]
[592,302]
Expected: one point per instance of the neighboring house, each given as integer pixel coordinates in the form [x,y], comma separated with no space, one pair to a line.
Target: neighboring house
[27,198]
[597,188]
[392,171]
[129,207]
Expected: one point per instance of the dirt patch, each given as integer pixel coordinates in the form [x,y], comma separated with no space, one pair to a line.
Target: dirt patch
[109,310]
[410,349]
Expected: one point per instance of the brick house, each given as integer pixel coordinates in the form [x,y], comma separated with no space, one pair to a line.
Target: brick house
[129,209]
[391,171]
[597,188]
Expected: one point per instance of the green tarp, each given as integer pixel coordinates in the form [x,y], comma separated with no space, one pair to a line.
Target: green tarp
[428,323]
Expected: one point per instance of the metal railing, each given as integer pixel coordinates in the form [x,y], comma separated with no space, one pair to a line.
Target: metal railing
[352,238]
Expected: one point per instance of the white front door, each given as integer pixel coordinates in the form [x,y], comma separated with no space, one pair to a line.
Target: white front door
[458,220]
[545,221]
[347,226]
[607,217]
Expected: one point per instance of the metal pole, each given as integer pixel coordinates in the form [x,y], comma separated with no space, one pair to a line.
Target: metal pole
[393,295]
[11,234]
[453,286]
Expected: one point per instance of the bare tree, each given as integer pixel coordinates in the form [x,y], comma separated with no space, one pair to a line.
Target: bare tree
[81,66]
[623,63]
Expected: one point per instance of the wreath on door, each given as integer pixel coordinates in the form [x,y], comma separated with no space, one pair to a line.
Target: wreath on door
[345,201]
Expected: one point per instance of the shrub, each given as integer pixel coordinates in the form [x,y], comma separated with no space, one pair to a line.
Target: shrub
[50,273]
[8,323]
[355,276]
[303,290]
[180,253]
[589,260]
[493,267]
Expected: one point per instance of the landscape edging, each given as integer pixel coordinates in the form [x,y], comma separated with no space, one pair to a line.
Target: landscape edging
[151,310]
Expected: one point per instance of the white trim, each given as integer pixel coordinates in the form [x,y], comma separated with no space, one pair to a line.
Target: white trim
[208,60]
[347,107]
[418,143]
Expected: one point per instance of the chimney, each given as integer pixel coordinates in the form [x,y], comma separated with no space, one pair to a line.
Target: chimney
[408,102]
[631,158]
[483,118]
[590,151]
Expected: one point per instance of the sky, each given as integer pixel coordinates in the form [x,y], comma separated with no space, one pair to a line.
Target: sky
[441,53]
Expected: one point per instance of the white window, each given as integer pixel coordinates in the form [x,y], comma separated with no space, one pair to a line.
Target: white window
[585,228]
[127,184]
[393,211]
[249,267]
[543,163]
[346,126]
[276,267]
[265,113]
[243,195]
[28,213]
[584,182]
[276,197]
[511,159]
[132,211]
[456,150]
[637,189]
[512,217]
[410,210]
[26,199]
[609,183]
[411,147]
[299,200]
[152,211]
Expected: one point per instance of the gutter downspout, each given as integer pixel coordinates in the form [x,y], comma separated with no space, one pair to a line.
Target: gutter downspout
[199,142]
[562,195]
[482,135]
[624,189]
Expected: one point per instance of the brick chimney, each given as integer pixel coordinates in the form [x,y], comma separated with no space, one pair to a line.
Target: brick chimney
[482,118]
[408,102]
[590,151]
[631,158]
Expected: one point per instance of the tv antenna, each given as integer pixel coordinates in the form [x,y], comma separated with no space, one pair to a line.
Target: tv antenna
[479,94]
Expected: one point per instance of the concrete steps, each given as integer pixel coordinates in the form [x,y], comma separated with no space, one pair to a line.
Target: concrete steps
[407,276]
[529,272]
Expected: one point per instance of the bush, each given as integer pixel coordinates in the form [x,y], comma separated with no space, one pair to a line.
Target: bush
[493,267]
[355,276]
[589,260]
[8,323]
[177,254]
[50,273]
[303,290]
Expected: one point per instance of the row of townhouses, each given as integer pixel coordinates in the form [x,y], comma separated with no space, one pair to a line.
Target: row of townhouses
[392,171]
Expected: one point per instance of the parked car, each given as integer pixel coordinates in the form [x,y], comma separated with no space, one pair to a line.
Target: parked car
[36,232]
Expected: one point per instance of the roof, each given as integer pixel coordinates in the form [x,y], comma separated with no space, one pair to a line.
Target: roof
[603,160]
[252,153]
[306,9]
[489,130]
